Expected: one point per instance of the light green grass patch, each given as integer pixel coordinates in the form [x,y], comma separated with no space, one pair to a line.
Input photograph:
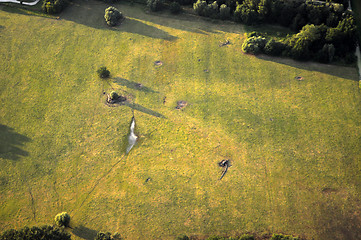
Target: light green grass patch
[293,145]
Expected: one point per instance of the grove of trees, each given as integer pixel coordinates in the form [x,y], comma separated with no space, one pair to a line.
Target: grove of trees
[325,31]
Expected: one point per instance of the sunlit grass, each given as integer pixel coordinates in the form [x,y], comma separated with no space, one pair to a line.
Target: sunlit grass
[289,141]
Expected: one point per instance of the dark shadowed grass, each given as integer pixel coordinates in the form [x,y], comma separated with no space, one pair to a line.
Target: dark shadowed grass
[289,141]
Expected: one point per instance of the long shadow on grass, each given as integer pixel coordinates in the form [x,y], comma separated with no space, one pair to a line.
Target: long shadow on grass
[142,109]
[11,143]
[91,13]
[132,85]
[334,222]
[337,71]
[84,232]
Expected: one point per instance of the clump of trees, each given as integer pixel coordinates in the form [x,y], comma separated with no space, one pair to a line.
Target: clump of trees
[113,16]
[54,6]
[103,72]
[326,31]
[62,219]
[155,5]
[314,42]
[44,232]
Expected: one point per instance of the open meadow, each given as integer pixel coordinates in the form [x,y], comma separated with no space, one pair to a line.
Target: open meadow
[294,146]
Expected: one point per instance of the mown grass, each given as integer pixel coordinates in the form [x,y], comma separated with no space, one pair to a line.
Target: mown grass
[293,145]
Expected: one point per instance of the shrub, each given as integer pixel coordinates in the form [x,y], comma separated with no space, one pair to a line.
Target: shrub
[103,72]
[246,237]
[112,16]
[107,236]
[155,5]
[224,12]
[182,237]
[113,95]
[283,237]
[254,45]
[53,6]
[200,7]
[274,48]
[44,232]
[175,7]
[62,219]
[212,10]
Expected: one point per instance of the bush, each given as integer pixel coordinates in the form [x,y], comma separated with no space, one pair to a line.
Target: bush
[224,12]
[103,72]
[112,16]
[62,219]
[44,232]
[254,45]
[274,48]
[113,95]
[212,10]
[155,5]
[175,7]
[182,237]
[54,6]
[107,236]
[283,237]
[246,237]
[200,7]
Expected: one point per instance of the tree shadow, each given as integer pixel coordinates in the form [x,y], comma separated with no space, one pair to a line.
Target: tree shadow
[91,13]
[133,85]
[348,73]
[84,232]
[11,143]
[335,222]
[142,109]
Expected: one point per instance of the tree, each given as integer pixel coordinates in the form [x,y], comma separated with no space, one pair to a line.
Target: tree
[200,7]
[175,7]
[62,219]
[224,12]
[44,232]
[212,10]
[274,48]
[53,6]
[155,5]
[254,45]
[112,16]
[103,72]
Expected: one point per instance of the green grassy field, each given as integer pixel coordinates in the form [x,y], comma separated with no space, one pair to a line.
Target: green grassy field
[294,145]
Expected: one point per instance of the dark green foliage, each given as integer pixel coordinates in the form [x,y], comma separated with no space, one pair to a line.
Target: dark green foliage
[185,2]
[107,236]
[326,54]
[216,238]
[113,95]
[62,219]
[112,16]
[212,10]
[224,12]
[274,48]
[44,232]
[182,237]
[200,7]
[246,237]
[283,237]
[254,45]
[175,7]
[110,1]
[246,14]
[54,6]
[155,5]
[103,72]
